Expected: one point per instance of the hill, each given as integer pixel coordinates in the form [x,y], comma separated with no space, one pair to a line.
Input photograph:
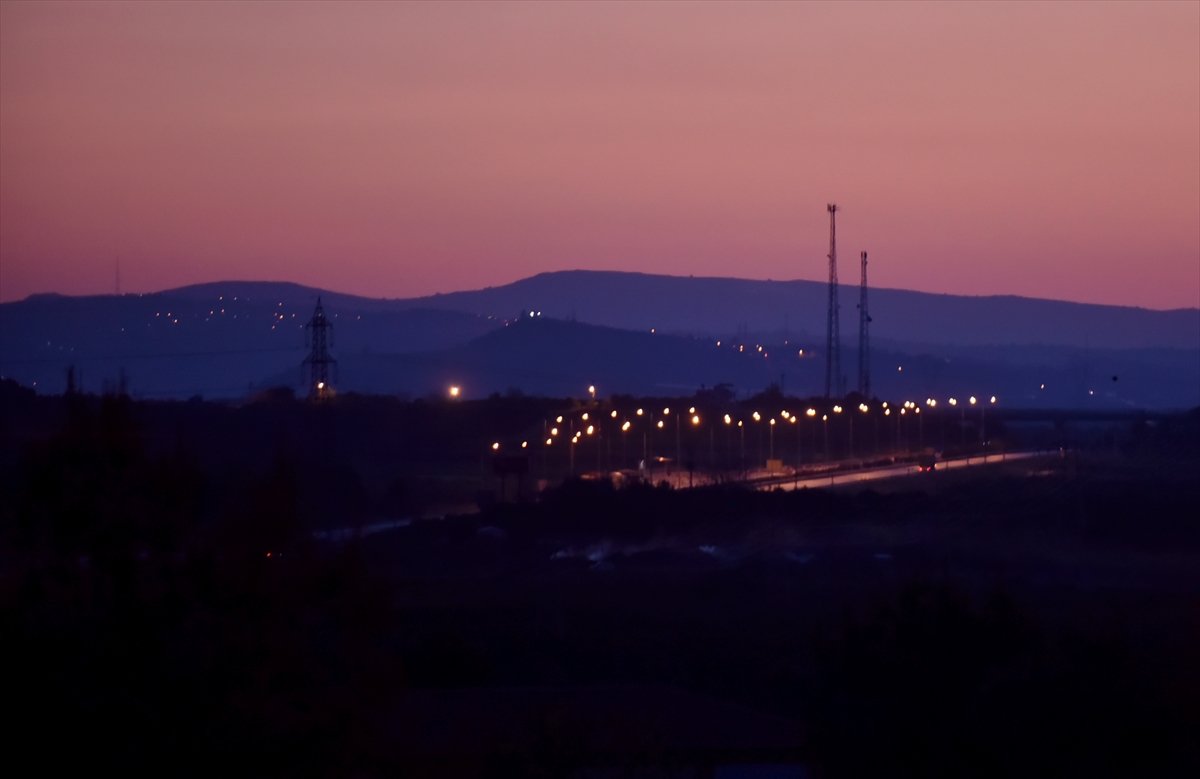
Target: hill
[719,307]
[625,332]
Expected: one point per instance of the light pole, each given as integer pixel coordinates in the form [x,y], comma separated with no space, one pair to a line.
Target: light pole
[771,428]
[973,400]
[645,429]
[571,449]
[838,410]
[792,419]
[811,413]
[742,453]
[863,408]
[758,418]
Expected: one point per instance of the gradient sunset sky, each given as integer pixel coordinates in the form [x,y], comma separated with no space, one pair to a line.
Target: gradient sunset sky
[1042,149]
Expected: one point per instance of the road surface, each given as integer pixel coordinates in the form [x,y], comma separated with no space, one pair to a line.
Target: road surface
[836,478]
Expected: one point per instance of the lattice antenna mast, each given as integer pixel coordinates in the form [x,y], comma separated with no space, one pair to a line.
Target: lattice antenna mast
[319,333]
[833,362]
[864,335]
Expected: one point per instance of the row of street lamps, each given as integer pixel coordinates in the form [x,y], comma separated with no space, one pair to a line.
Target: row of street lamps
[590,425]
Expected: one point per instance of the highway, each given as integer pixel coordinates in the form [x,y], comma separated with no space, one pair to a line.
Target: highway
[841,478]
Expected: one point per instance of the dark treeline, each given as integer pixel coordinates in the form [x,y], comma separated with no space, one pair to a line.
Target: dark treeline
[167,608]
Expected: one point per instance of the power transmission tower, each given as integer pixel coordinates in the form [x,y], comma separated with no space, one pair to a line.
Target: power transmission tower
[833,362]
[864,335]
[319,337]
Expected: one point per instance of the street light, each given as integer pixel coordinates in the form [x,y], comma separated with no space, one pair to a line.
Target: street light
[455,390]
[792,420]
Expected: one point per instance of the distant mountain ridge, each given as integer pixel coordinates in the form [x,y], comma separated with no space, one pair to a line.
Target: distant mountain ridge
[626,332]
[720,306]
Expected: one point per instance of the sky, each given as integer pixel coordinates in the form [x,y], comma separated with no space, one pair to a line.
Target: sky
[1039,149]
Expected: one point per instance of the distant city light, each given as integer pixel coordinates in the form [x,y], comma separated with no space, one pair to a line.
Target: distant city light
[455,390]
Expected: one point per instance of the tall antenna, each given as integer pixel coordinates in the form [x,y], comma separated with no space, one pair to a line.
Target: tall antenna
[833,362]
[320,337]
[864,335]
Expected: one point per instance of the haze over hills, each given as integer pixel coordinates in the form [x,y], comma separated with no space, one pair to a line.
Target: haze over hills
[228,339]
[720,306]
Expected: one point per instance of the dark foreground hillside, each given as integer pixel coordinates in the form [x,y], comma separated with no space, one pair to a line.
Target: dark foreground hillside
[162,616]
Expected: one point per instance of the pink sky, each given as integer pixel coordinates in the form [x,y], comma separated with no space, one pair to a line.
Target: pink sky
[1043,149]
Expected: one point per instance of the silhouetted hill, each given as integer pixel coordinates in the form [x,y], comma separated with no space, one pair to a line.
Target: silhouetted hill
[624,332]
[557,358]
[719,306]
[552,357]
[218,340]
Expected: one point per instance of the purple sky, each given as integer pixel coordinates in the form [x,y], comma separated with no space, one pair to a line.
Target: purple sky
[1044,149]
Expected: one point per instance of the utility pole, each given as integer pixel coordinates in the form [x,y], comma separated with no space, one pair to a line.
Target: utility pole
[864,335]
[833,363]
[319,361]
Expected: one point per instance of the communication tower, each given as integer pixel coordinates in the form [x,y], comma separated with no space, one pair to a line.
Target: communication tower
[833,362]
[864,335]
